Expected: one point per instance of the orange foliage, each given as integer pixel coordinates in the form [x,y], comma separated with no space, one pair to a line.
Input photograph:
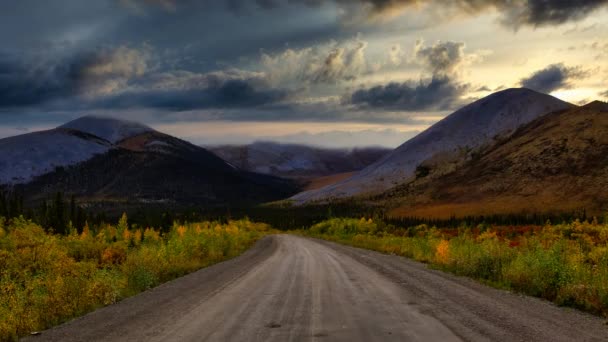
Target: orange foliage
[113,255]
[442,252]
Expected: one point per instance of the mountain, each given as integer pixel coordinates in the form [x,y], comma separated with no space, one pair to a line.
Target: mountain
[109,129]
[456,136]
[109,160]
[557,163]
[298,161]
[24,157]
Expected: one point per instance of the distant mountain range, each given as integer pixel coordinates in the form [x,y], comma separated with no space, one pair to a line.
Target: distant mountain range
[108,160]
[456,136]
[511,152]
[298,161]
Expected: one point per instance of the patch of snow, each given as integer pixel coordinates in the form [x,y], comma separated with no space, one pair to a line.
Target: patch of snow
[24,157]
[110,129]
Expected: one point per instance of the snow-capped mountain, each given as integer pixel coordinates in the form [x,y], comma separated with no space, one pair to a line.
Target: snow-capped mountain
[24,157]
[475,125]
[110,129]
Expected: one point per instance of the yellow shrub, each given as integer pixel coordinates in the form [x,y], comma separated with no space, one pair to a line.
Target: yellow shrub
[137,235]
[86,233]
[126,235]
[566,263]
[151,235]
[442,254]
[46,279]
[487,235]
[181,231]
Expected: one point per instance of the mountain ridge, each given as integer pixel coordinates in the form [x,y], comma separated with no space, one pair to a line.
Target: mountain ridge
[127,162]
[468,128]
[556,163]
[297,161]
[106,127]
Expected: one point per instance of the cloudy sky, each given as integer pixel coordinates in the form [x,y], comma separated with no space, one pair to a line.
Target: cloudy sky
[326,72]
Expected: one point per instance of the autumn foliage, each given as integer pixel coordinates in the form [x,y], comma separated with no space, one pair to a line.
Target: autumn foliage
[565,263]
[46,279]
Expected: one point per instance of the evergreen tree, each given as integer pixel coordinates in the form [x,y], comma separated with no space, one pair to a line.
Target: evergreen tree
[59,222]
[123,223]
[72,216]
[3,206]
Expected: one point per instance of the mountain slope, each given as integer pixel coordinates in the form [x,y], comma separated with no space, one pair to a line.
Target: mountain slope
[558,163]
[181,178]
[130,163]
[30,155]
[24,157]
[110,129]
[465,130]
[298,161]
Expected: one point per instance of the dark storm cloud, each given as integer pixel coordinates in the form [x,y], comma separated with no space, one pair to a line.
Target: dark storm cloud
[553,77]
[13,88]
[515,13]
[443,91]
[235,93]
[548,12]
[604,94]
[440,93]
[35,81]
[121,78]
[24,84]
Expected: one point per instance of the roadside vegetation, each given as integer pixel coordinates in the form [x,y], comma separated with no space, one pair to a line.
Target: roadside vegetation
[564,263]
[52,270]
[48,278]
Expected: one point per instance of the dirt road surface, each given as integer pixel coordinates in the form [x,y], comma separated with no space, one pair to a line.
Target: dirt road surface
[289,288]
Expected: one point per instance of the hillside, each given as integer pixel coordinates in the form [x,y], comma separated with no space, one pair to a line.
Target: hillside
[456,136]
[558,163]
[102,160]
[109,129]
[27,156]
[298,161]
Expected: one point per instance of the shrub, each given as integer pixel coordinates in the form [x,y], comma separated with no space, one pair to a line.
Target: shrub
[47,279]
[565,263]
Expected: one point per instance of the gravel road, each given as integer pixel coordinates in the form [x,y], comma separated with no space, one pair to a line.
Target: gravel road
[289,288]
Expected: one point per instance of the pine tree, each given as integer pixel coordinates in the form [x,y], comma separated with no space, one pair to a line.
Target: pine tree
[59,222]
[3,206]
[123,224]
[72,216]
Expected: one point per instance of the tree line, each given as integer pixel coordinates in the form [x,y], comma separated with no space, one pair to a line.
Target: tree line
[62,214]
[56,214]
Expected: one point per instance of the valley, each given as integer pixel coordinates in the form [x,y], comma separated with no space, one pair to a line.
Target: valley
[513,201]
[304,170]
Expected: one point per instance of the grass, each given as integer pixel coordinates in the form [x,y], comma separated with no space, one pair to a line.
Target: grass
[47,279]
[564,263]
